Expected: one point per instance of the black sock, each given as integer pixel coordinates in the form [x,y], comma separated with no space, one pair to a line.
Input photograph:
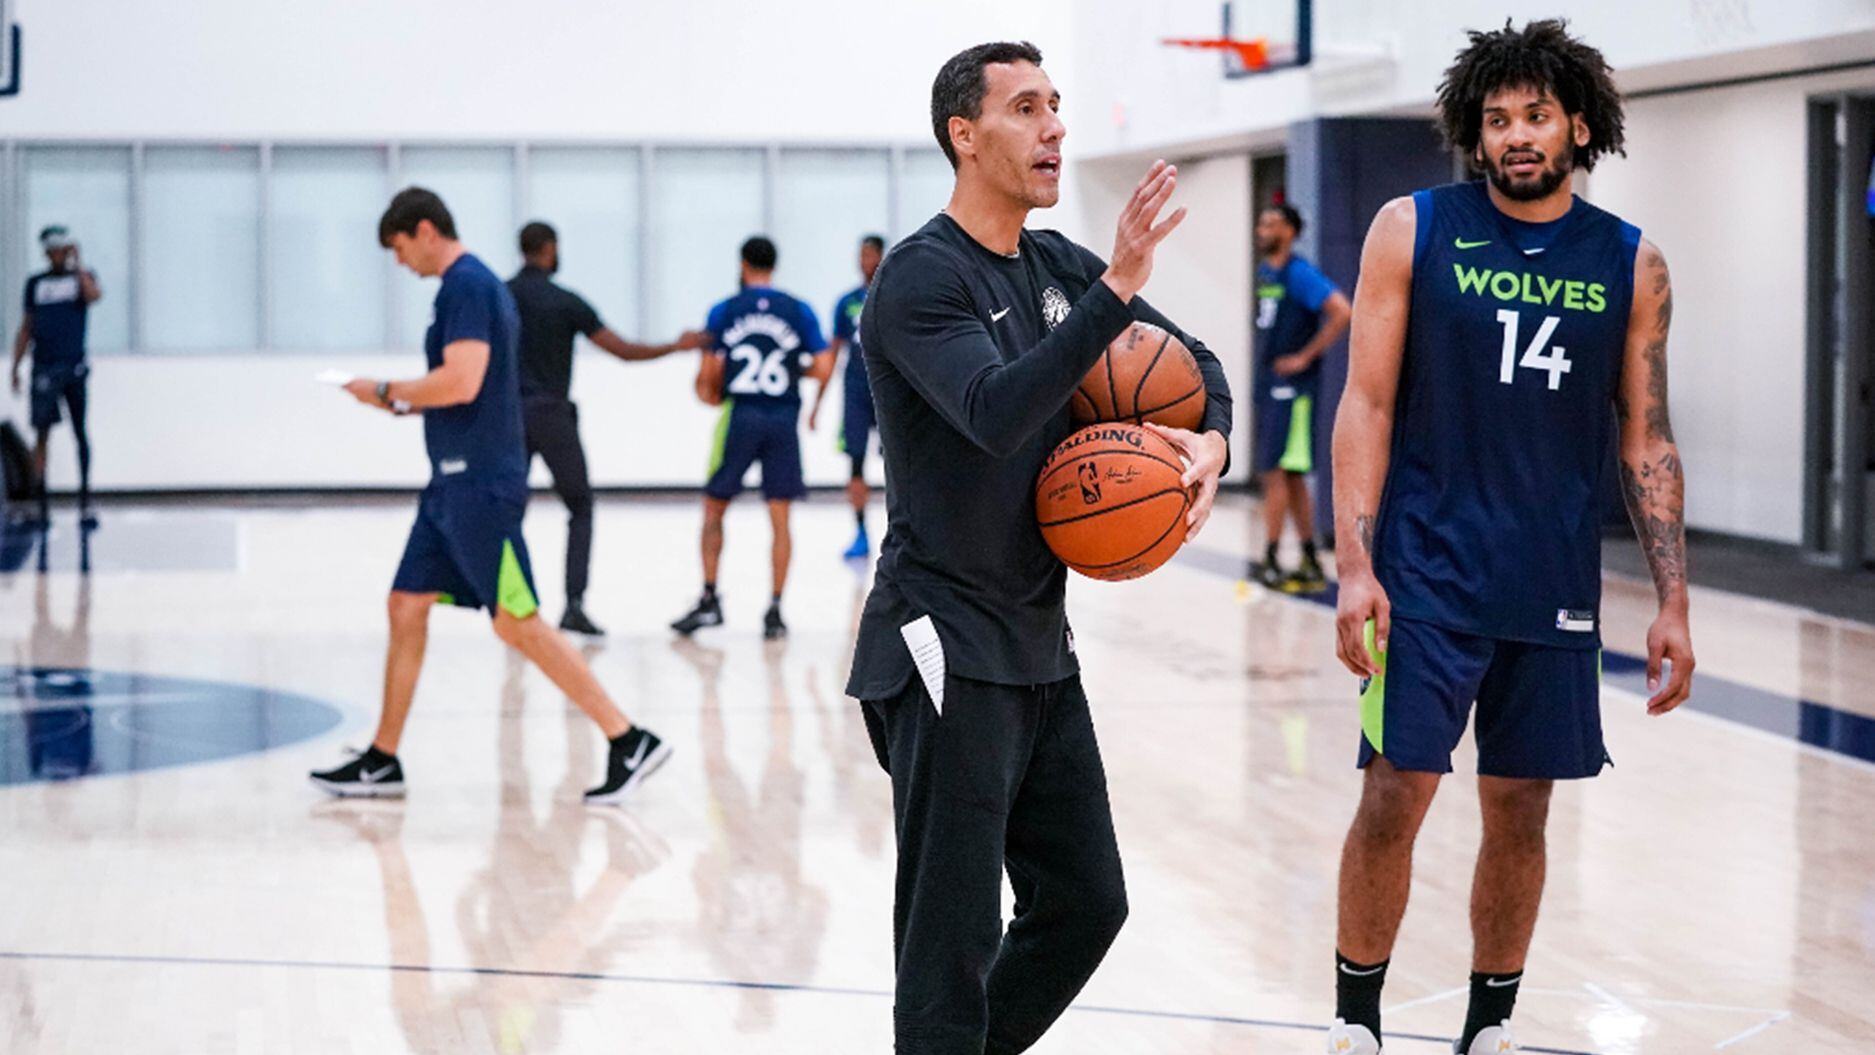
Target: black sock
[373,754]
[1357,992]
[1269,555]
[1308,552]
[1492,998]
[860,515]
[709,592]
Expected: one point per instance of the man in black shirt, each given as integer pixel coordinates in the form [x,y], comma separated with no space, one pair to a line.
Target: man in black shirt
[551,317]
[977,331]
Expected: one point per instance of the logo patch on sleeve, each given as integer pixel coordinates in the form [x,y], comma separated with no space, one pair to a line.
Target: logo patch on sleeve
[1575,621]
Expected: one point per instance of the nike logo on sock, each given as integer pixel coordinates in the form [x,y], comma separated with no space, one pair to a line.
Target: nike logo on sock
[1499,983]
[1351,972]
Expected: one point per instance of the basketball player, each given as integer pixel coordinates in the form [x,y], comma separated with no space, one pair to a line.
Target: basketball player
[551,317]
[466,547]
[1300,314]
[857,426]
[977,332]
[765,341]
[52,326]
[1501,330]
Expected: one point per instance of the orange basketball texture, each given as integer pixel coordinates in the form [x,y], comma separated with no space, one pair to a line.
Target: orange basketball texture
[1146,374]
[1109,501]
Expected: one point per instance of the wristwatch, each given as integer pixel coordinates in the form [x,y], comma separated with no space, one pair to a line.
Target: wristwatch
[384,393]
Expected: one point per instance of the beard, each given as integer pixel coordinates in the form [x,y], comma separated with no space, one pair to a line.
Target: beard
[1551,177]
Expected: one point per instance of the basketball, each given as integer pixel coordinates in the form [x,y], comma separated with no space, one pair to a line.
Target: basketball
[1146,374]
[1110,503]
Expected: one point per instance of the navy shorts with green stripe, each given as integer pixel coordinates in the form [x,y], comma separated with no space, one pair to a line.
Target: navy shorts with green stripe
[467,546]
[1285,431]
[758,432]
[1538,714]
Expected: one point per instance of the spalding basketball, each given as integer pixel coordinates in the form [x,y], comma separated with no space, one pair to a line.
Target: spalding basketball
[1109,501]
[1146,374]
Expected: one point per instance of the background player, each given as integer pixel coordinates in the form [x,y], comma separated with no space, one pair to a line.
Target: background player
[551,317]
[977,332]
[766,341]
[466,546]
[1300,314]
[1499,328]
[856,426]
[53,327]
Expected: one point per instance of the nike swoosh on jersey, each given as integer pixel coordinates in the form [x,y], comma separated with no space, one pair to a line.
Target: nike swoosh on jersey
[997,316]
[1460,243]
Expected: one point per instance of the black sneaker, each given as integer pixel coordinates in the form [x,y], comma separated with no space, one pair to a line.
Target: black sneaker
[575,621]
[773,629]
[708,612]
[1307,579]
[1270,574]
[629,760]
[372,775]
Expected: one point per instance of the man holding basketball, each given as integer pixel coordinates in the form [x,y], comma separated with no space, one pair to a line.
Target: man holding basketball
[977,332]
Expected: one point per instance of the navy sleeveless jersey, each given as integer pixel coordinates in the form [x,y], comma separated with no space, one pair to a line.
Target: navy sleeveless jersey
[1490,520]
[768,339]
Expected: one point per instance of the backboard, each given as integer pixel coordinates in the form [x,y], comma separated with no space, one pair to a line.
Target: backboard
[1260,36]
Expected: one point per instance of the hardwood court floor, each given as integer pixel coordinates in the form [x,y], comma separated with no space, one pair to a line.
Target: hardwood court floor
[1715,890]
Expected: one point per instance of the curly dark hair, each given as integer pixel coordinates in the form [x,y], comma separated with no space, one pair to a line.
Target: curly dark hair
[1541,55]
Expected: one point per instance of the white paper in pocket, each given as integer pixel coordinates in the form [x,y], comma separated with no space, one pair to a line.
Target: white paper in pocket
[927,654]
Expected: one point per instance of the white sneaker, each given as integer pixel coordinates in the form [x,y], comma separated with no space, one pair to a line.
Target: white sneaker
[1491,1040]
[1344,1039]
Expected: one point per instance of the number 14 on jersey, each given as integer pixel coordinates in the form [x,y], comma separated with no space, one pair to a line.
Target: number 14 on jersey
[1537,356]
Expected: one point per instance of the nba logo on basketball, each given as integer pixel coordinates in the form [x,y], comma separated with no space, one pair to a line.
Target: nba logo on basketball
[1090,483]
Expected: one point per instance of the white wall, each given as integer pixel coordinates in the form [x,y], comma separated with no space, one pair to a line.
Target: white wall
[1716,179]
[704,71]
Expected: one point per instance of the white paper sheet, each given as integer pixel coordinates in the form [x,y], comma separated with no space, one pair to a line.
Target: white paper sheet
[333,377]
[927,653]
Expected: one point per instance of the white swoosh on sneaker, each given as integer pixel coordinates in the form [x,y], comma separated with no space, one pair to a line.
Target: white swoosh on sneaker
[372,776]
[638,759]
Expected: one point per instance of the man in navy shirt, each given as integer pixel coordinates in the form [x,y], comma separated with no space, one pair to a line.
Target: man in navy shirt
[766,341]
[466,547]
[1300,314]
[53,328]
[857,427]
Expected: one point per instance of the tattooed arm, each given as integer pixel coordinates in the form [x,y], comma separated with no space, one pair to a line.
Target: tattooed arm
[1364,428]
[1651,480]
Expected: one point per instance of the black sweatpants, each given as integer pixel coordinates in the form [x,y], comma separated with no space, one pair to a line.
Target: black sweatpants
[1009,777]
[553,433]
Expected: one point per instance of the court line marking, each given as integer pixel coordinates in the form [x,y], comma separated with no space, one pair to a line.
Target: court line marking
[697,983]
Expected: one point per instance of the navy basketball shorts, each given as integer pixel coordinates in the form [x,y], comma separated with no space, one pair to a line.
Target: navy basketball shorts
[856,429]
[53,387]
[1285,432]
[1538,714]
[750,433]
[466,546]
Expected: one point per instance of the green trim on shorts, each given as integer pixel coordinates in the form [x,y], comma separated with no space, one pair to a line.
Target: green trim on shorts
[445,598]
[511,590]
[1374,695]
[1299,454]
[720,442]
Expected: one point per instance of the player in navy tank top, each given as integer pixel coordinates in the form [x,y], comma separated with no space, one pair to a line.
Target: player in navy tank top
[1505,334]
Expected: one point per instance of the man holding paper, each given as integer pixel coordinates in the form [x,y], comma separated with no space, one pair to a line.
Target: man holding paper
[976,333]
[466,547]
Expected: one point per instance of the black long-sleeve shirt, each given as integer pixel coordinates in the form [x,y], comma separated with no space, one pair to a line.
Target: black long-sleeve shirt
[972,357]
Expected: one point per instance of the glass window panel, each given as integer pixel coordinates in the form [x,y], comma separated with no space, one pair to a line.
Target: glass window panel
[927,189]
[704,204]
[826,202]
[477,184]
[326,268]
[589,195]
[88,190]
[199,265]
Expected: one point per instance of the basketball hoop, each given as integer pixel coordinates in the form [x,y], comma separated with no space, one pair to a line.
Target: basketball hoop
[1253,54]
